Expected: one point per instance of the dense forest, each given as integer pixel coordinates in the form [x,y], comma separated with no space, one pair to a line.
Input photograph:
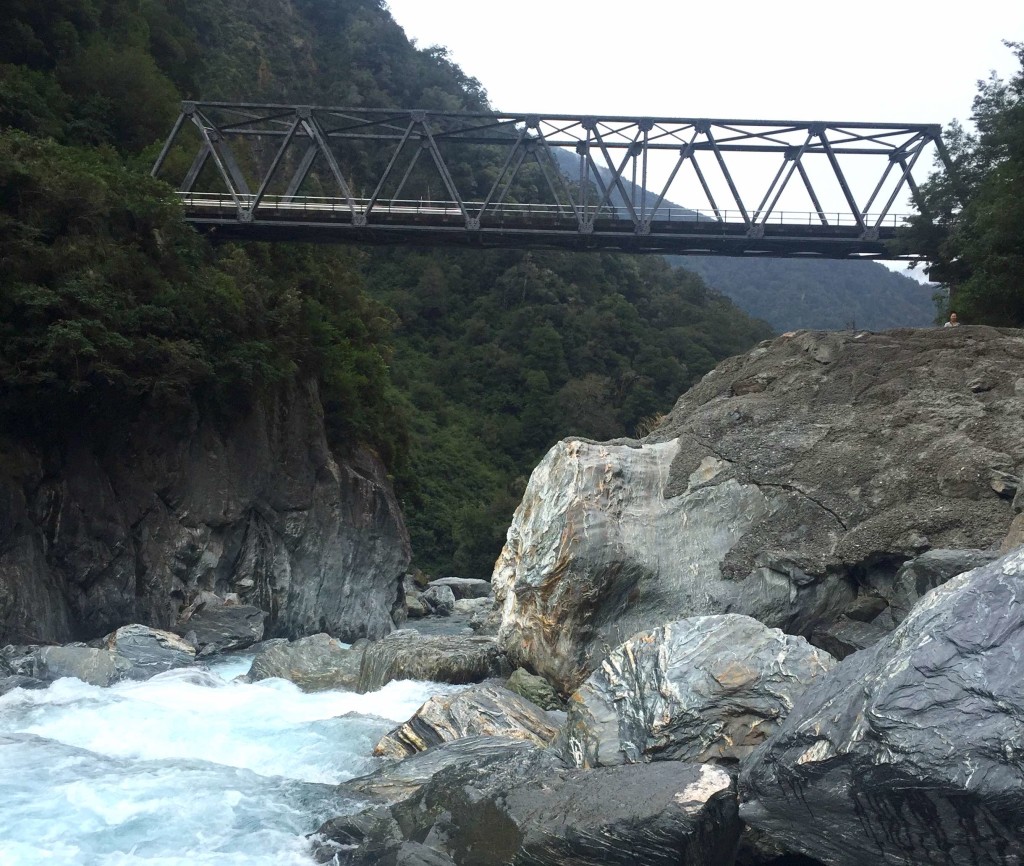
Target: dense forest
[459,368]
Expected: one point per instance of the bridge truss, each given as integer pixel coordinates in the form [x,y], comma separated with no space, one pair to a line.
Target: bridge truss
[664,185]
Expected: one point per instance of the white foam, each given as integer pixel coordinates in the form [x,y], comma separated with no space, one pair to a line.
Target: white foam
[185,768]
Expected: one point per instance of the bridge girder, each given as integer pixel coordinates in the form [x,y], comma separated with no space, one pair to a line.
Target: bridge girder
[253,167]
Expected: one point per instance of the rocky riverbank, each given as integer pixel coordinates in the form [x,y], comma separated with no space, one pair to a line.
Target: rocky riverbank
[786,624]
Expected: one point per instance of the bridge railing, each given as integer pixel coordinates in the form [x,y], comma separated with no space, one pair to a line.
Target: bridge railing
[336,207]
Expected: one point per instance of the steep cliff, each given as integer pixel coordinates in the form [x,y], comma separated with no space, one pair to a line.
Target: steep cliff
[96,531]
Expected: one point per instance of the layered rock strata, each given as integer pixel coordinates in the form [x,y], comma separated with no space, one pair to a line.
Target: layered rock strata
[702,689]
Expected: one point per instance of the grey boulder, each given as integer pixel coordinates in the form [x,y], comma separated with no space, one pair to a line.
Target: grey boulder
[465,587]
[408,655]
[912,751]
[97,667]
[313,663]
[215,625]
[149,651]
[482,710]
[440,600]
[700,689]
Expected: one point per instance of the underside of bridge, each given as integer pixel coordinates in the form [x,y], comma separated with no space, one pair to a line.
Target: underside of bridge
[748,187]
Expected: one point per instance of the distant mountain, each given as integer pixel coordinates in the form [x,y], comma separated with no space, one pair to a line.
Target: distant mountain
[790,294]
[797,293]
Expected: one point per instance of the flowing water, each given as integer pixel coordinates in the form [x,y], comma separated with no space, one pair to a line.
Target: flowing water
[186,768]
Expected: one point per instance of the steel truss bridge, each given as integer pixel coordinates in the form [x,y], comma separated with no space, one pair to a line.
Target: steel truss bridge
[743,187]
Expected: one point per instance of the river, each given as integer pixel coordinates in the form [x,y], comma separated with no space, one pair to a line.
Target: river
[189,767]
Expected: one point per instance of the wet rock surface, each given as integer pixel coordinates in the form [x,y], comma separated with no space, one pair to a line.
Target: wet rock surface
[313,663]
[217,626]
[150,651]
[484,710]
[410,655]
[700,689]
[527,809]
[785,502]
[909,752]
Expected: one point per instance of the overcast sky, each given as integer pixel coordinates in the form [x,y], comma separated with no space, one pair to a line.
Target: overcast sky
[910,61]
[902,62]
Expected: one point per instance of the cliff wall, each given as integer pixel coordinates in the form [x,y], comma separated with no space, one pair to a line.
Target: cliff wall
[95,534]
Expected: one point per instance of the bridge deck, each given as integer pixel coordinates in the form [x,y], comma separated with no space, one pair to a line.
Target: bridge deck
[674,231]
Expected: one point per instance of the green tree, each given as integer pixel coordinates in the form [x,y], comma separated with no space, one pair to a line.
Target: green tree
[971,225]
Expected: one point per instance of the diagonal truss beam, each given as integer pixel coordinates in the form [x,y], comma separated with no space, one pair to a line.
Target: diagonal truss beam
[263,156]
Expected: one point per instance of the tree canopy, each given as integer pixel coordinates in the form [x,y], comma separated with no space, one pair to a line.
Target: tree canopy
[971,224]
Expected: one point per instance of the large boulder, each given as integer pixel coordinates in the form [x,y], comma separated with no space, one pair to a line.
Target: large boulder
[99,531]
[912,751]
[97,667]
[783,485]
[702,689]
[313,663]
[483,710]
[150,651]
[409,655]
[216,625]
[465,587]
[526,809]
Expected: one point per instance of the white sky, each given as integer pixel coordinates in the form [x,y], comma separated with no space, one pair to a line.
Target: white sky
[902,62]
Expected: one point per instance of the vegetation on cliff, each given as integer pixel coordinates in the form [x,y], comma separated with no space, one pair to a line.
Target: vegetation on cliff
[972,220]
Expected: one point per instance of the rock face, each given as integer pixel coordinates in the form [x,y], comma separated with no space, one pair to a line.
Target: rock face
[702,689]
[785,483]
[912,751]
[94,535]
[409,655]
[478,711]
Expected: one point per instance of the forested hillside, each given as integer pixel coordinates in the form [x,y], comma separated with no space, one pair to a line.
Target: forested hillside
[794,293]
[460,368]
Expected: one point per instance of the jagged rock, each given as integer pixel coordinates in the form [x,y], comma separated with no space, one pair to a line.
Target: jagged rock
[5,667]
[217,626]
[408,655]
[440,600]
[860,452]
[702,689]
[94,535]
[97,667]
[395,783]
[909,752]
[17,681]
[465,587]
[472,606]
[846,636]
[415,606]
[313,663]
[535,689]
[486,622]
[150,651]
[929,570]
[529,810]
[485,710]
